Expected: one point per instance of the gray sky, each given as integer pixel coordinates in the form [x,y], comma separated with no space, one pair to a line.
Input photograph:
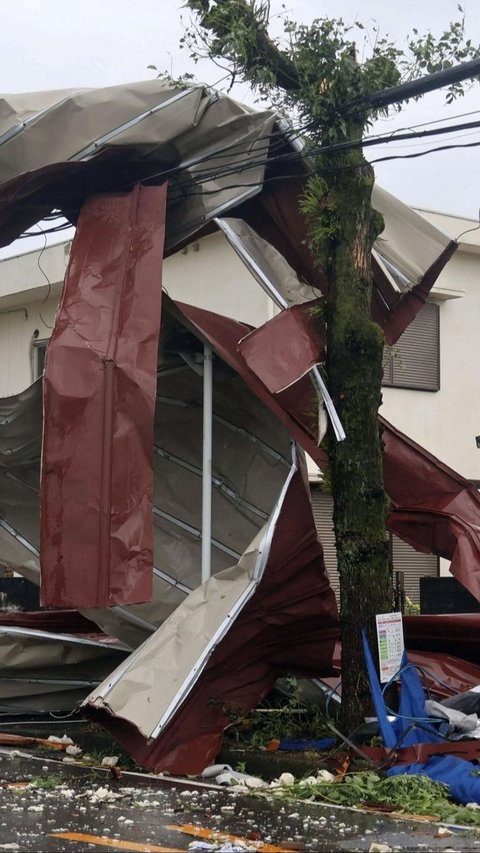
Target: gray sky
[50,44]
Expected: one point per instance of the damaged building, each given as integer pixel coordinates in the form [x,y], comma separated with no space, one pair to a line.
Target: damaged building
[156,479]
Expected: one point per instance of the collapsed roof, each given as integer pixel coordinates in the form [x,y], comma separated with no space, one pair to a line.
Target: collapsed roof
[123,377]
[218,156]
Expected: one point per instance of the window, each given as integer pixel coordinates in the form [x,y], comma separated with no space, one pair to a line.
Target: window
[39,352]
[414,361]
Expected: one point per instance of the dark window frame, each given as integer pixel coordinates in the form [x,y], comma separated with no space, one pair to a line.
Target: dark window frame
[40,350]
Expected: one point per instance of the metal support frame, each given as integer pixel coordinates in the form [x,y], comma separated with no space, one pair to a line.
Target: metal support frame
[207,463]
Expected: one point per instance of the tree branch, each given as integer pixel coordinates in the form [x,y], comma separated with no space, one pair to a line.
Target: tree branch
[229,23]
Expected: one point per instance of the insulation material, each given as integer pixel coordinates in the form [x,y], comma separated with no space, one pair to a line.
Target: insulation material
[99,399]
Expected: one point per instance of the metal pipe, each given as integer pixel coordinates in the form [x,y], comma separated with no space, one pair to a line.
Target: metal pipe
[269,287]
[207,464]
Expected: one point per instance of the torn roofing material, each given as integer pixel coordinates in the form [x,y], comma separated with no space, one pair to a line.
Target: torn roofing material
[99,402]
[59,147]
[45,671]
[223,648]
[252,459]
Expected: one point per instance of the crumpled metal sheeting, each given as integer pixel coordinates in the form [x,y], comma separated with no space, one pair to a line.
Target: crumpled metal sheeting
[251,459]
[282,350]
[275,217]
[43,128]
[99,401]
[50,671]
[266,263]
[453,633]
[89,140]
[292,406]
[20,415]
[408,243]
[434,509]
[247,473]
[150,128]
[289,624]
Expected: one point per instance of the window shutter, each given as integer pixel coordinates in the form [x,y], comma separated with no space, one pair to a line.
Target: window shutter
[405,559]
[414,566]
[414,361]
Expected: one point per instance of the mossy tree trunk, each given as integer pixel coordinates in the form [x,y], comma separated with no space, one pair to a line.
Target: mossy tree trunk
[354,370]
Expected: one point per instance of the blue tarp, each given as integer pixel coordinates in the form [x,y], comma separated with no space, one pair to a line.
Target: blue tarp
[455,772]
[411,727]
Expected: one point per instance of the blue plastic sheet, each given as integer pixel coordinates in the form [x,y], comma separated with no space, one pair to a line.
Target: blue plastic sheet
[457,773]
[410,727]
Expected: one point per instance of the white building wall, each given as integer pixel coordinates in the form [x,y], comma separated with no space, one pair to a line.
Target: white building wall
[447,421]
[209,274]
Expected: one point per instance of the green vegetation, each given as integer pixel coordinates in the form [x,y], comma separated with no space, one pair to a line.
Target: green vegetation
[412,795]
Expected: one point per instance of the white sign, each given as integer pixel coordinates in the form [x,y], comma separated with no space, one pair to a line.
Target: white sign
[390,644]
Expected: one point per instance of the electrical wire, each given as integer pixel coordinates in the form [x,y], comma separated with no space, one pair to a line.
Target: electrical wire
[39,257]
[248,163]
[189,180]
[469,230]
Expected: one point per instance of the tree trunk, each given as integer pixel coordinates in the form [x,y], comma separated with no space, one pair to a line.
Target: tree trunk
[354,369]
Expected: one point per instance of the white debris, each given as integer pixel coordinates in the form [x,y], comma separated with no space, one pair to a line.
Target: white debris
[310,780]
[110,761]
[103,795]
[325,776]
[378,847]
[11,846]
[69,760]
[73,750]
[68,793]
[443,832]
[254,782]
[36,808]
[284,779]
[64,739]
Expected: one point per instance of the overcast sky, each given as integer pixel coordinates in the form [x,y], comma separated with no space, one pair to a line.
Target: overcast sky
[51,44]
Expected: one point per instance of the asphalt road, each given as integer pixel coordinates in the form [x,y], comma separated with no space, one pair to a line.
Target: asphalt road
[46,805]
